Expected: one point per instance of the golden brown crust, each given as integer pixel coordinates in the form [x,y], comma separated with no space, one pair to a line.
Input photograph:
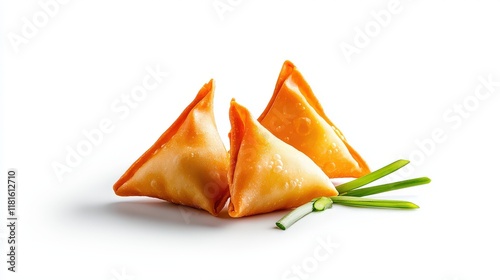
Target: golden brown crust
[187,165]
[267,174]
[295,115]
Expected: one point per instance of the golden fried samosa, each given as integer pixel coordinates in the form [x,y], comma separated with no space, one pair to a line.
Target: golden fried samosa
[187,165]
[265,173]
[295,116]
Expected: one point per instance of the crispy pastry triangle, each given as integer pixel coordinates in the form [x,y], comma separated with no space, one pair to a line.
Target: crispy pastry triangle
[295,116]
[187,165]
[265,173]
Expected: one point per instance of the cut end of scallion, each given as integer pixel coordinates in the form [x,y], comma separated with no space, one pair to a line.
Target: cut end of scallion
[279,225]
[322,203]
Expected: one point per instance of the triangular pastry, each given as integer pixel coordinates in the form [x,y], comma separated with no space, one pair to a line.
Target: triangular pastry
[295,116]
[265,173]
[187,165]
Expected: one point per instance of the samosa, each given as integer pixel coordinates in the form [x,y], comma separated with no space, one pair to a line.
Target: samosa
[265,173]
[187,165]
[295,116]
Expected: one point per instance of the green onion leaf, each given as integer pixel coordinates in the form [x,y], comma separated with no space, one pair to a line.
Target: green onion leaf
[372,203]
[388,187]
[375,175]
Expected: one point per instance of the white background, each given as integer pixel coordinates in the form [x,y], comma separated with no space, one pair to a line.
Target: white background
[406,82]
